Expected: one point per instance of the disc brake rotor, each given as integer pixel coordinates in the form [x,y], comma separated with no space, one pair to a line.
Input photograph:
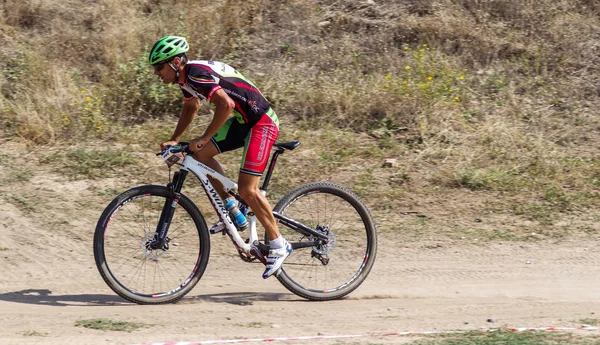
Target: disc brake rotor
[153,254]
[326,249]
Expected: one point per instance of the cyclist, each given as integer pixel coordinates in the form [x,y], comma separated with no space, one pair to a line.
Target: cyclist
[253,126]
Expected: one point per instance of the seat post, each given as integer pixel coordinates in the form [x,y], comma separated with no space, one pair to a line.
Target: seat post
[278,151]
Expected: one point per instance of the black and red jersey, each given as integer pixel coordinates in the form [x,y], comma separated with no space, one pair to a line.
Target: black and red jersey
[203,78]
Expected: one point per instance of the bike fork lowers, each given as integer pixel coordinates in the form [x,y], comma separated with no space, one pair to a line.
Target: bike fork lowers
[166,216]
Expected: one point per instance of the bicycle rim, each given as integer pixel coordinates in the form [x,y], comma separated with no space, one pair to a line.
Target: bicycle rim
[332,271]
[131,267]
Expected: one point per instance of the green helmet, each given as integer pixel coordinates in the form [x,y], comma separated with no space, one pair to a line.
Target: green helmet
[167,48]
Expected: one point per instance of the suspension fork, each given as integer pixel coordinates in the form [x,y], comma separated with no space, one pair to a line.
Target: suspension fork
[166,216]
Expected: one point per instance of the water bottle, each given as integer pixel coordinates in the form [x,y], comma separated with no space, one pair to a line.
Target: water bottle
[238,217]
[244,209]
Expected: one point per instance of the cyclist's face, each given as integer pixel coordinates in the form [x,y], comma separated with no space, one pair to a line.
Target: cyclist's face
[165,72]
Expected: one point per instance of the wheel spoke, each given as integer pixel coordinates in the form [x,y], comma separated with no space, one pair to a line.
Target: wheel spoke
[339,214]
[128,263]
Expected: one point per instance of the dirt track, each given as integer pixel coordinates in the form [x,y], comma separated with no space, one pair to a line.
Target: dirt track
[49,283]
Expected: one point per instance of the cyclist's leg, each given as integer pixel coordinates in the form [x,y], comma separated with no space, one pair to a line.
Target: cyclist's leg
[222,141]
[207,155]
[258,144]
[249,191]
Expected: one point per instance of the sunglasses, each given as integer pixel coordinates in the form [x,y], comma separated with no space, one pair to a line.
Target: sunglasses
[159,66]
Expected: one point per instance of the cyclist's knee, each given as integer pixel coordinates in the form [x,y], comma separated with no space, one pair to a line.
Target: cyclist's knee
[248,192]
[204,155]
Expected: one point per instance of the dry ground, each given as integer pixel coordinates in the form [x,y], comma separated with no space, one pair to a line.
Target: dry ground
[50,281]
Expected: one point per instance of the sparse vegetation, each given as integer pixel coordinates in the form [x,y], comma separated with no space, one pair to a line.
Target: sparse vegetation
[110,325]
[508,337]
[253,324]
[474,99]
[90,164]
[22,176]
[34,334]
[23,203]
[590,322]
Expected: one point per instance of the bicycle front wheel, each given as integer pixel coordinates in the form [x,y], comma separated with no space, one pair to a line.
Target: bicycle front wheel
[333,270]
[125,246]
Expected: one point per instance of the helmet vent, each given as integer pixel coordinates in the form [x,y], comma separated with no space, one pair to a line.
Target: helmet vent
[166,48]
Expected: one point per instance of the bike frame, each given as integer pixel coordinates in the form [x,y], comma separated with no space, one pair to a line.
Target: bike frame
[253,246]
[202,171]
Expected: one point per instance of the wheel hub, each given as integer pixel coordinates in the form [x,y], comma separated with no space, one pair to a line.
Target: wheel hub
[149,243]
[325,248]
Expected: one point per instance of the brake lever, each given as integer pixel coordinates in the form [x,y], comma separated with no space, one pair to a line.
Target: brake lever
[185,148]
[163,151]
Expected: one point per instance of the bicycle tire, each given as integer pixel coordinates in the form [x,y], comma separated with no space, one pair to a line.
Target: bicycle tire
[351,254]
[120,247]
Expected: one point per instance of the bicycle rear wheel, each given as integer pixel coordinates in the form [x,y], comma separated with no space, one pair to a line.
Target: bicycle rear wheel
[124,256]
[338,268]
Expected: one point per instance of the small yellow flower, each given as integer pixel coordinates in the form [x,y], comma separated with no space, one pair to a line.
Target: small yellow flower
[407,67]
[405,82]
[457,99]
[422,127]
[387,76]
[405,48]
[87,99]
[461,77]
[424,44]
[429,78]
[387,85]
[450,90]
[421,50]
[99,101]
[82,91]
[66,118]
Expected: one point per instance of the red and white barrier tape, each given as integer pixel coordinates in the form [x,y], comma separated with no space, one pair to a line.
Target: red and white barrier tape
[320,337]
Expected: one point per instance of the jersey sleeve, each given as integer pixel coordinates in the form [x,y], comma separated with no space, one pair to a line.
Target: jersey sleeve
[201,78]
[187,96]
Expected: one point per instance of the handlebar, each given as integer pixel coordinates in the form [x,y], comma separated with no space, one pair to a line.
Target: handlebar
[174,154]
[182,147]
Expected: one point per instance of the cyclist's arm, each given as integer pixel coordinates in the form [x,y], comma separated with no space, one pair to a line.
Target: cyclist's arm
[188,113]
[224,106]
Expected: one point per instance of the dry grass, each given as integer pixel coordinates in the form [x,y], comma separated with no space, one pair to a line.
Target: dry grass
[481,96]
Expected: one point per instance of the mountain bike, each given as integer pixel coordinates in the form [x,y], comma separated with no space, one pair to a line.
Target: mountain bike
[152,244]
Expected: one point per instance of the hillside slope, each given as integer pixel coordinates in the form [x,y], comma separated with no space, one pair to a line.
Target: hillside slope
[488,108]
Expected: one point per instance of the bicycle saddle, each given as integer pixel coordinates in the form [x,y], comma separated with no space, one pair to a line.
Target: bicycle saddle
[288,145]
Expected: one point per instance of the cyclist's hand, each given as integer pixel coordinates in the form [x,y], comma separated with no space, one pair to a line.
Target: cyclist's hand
[197,143]
[167,143]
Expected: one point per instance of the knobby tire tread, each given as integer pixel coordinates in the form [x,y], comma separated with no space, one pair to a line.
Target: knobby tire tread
[349,196]
[188,206]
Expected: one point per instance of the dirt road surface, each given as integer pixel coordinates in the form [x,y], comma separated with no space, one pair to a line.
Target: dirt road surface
[49,283]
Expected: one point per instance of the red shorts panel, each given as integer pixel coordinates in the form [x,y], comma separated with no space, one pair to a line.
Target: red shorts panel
[258,146]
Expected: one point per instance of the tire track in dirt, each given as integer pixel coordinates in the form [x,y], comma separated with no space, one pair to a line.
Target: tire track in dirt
[50,281]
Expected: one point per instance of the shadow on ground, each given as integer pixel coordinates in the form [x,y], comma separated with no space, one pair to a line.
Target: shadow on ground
[45,297]
[239,298]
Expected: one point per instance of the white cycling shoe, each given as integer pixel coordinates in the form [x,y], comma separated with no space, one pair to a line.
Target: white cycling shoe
[218,227]
[276,258]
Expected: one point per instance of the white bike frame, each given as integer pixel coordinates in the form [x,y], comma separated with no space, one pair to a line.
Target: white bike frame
[202,171]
